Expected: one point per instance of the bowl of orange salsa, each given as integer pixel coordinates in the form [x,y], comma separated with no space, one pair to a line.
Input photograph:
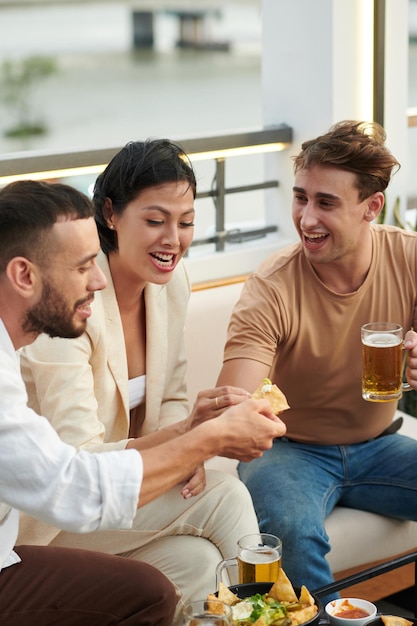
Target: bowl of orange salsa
[350,611]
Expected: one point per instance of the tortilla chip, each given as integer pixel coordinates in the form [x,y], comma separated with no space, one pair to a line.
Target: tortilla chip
[273,394]
[303,615]
[225,595]
[393,620]
[213,605]
[259,622]
[305,597]
[282,589]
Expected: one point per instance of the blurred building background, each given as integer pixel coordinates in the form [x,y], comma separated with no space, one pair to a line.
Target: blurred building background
[105,91]
[244,72]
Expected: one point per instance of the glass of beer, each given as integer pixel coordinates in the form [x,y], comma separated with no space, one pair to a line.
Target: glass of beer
[258,559]
[382,362]
[207,613]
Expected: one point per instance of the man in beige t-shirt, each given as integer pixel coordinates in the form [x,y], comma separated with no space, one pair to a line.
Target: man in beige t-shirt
[298,322]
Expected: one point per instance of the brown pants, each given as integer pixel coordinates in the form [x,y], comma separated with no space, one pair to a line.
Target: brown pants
[63,587]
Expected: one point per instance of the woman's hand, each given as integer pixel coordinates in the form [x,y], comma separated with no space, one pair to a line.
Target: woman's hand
[196,484]
[212,402]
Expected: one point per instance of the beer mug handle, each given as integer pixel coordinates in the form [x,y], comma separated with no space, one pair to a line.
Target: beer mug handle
[221,567]
[405,385]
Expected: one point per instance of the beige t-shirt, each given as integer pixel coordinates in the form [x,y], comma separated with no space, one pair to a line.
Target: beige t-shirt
[309,335]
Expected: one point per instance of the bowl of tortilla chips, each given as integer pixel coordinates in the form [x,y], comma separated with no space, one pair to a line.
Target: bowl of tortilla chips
[270,604]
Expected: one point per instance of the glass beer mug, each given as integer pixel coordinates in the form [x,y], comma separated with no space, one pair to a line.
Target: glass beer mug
[258,559]
[382,362]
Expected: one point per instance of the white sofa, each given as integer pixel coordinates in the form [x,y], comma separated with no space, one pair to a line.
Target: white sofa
[356,537]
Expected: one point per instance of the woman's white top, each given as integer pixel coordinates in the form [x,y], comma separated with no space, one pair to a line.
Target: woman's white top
[136,391]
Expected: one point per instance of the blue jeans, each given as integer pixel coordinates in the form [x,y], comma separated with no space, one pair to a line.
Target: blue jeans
[295,486]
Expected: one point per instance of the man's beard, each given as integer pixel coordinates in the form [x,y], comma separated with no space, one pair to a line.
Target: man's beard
[52,315]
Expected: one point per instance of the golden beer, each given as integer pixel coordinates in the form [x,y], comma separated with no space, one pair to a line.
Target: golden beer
[258,559]
[382,357]
[258,566]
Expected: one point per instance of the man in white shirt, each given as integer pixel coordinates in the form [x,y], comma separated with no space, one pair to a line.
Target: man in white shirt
[48,275]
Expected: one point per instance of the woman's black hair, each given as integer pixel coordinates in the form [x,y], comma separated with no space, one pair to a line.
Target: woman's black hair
[138,166]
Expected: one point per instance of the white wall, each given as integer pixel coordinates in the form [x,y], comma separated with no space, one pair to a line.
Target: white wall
[315,66]
[396,96]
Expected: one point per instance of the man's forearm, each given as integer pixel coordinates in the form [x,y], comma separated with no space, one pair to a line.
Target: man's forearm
[245,373]
[158,437]
[173,461]
[241,432]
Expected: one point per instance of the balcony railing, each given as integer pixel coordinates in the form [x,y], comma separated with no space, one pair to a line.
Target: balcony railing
[218,148]
[55,165]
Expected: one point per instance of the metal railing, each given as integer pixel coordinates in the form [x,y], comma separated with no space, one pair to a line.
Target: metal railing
[218,148]
[215,147]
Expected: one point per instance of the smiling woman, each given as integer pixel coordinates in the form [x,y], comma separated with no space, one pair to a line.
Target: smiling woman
[164,215]
[156,204]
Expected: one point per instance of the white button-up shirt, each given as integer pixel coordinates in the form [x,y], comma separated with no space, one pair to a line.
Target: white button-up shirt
[43,476]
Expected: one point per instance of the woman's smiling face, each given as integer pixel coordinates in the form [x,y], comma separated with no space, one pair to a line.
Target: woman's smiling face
[155,230]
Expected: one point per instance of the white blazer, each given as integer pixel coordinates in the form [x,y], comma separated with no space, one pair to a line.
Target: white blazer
[81,385]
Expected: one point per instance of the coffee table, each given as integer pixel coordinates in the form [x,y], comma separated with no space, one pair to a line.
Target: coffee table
[371,572]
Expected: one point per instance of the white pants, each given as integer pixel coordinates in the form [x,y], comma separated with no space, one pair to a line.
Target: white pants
[185,539]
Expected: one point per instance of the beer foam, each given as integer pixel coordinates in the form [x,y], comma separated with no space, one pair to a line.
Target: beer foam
[381,340]
[260,555]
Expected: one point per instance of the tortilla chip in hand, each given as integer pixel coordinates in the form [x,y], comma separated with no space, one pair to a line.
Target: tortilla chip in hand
[273,394]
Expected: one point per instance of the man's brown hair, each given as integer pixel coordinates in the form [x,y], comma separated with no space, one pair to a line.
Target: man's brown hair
[28,211]
[357,147]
